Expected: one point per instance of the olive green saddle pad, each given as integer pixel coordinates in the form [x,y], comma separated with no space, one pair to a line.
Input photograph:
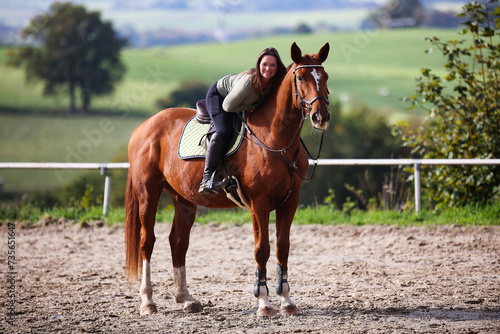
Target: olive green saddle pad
[192,142]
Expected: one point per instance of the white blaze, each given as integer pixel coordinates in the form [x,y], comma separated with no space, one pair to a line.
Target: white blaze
[317,76]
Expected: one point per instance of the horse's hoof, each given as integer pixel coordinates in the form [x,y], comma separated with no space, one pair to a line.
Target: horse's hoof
[193,307]
[266,312]
[289,310]
[148,309]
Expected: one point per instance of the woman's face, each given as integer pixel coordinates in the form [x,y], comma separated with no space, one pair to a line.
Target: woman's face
[268,67]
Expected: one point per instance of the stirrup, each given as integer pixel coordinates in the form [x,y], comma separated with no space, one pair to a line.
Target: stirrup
[214,186]
[210,186]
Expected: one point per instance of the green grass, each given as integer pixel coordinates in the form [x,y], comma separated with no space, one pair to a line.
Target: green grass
[323,215]
[359,63]
[37,138]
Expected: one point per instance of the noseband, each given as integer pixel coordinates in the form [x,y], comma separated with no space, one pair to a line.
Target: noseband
[306,105]
[281,153]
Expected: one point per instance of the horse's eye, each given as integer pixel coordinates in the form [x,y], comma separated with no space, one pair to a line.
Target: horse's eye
[300,78]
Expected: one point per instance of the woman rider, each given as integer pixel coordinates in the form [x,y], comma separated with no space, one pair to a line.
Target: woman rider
[234,93]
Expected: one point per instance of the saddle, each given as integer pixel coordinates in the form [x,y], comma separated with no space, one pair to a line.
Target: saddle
[194,140]
[198,131]
[202,115]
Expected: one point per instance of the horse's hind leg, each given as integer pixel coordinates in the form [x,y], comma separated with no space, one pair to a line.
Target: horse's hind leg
[185,214]
[149,196]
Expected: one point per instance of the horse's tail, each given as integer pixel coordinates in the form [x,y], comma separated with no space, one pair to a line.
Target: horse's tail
[132,231]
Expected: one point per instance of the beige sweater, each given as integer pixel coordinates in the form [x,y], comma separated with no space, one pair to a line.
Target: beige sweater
[238,92]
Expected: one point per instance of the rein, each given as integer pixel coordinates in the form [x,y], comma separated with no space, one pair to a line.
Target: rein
[281,153]
[305,107]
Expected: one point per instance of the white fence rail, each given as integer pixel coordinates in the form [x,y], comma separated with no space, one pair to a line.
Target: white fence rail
[408,162]
[103,167]
[416,163]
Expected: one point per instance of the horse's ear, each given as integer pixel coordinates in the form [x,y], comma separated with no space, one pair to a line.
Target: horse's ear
[323,53]
[296,53]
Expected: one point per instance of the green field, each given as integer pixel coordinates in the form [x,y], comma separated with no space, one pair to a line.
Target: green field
[470,215]
[360,66]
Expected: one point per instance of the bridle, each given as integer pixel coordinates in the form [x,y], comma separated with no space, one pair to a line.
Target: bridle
[305,107]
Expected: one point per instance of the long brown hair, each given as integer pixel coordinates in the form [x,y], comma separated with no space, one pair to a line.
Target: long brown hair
[255,72]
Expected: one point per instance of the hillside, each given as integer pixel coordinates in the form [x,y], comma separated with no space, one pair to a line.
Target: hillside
[360,64]
[376,69]
[169,22]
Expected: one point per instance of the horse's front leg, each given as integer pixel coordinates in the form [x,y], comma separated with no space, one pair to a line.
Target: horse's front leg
[260,221]
[284,218]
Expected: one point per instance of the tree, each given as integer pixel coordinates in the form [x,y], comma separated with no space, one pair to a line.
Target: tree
[399,9]
[303,29]
[76,51]
[186,95]
[397,13]
[359,133]
[464,112]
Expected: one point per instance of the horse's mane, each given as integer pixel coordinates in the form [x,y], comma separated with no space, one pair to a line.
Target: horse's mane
[278,81]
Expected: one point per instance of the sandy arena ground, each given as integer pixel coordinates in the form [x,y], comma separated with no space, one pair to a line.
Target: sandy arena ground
[344,279]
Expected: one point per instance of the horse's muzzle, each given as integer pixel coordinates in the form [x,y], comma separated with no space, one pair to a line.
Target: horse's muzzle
[320,118]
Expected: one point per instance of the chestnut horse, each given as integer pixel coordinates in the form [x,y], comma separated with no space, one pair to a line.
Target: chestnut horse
[268,164]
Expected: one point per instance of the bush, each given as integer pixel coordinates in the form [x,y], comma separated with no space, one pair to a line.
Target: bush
[464,112]
[358,134]
[185,96]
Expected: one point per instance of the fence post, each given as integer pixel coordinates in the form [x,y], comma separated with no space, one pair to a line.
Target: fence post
[107,190]
[416,168]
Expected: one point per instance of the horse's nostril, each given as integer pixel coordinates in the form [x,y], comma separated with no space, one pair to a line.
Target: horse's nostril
[316,118]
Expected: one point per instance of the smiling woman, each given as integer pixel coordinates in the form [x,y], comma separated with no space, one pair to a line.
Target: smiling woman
[234,93]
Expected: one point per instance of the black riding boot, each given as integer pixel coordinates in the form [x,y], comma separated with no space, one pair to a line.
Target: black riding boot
[215,151]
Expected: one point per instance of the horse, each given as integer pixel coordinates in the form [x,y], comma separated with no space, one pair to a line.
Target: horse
[270,164]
